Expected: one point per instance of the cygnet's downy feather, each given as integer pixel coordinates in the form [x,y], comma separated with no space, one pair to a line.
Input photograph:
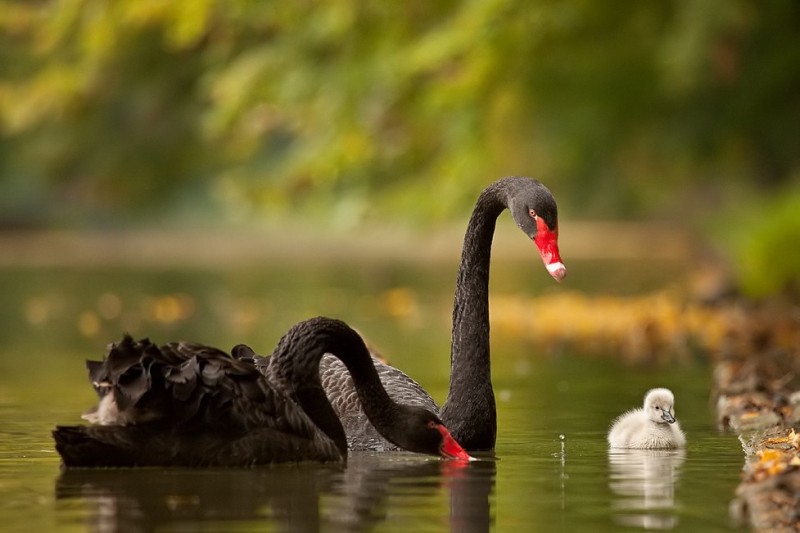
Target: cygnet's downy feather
[652,426]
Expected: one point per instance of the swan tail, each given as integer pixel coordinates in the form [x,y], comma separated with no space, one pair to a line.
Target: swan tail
[92,447]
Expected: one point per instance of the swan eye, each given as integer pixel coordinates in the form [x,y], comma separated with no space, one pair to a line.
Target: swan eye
[533,214]
[431,424]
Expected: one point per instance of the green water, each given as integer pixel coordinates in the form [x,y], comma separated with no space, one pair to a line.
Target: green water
[551,470]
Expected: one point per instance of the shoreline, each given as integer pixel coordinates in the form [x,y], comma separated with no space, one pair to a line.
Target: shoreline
[148,248]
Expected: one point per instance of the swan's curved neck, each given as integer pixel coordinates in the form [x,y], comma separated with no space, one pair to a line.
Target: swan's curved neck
[380,409]
[469,411]
[294,366]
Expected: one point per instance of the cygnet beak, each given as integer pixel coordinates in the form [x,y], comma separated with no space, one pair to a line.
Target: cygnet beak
[667,416]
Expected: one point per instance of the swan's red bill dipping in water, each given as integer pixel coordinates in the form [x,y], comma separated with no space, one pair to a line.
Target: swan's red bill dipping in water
[469,412]
[190,405]
[450,449]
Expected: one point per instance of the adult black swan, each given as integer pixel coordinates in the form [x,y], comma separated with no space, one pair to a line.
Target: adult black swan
[191,405]
[469,410]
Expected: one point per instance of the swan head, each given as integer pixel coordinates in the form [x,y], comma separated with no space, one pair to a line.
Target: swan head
[534,210]
[419,430]
[659,404]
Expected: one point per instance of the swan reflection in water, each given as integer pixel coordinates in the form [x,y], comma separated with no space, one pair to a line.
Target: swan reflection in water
[643,482]
[298,497]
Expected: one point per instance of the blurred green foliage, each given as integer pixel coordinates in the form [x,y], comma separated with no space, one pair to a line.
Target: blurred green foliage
[114,111]
[768,251]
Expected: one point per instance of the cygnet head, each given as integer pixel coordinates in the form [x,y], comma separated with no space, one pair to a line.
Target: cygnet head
[658,404]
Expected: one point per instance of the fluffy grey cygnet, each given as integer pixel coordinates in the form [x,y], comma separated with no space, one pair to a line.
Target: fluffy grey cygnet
[650,427]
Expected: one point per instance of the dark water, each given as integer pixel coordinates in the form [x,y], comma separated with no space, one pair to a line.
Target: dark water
[551,470]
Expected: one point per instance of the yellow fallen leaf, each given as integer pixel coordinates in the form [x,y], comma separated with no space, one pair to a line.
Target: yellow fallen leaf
[777,440]
[770,462]
[766,456]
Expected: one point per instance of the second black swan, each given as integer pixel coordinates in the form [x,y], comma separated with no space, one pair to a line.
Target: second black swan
[190,405]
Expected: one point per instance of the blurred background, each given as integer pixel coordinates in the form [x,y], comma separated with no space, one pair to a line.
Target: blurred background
[345,114]
[217,170]
[178,144]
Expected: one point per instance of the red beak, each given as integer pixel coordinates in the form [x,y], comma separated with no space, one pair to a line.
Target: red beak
[546,241]
[450,448]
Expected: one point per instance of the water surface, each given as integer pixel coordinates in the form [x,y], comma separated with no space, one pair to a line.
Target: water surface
[551,470]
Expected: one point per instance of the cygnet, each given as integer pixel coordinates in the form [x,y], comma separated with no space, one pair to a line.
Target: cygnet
[651,427]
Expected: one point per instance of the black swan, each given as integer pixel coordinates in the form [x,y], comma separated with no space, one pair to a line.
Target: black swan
[469,410]
[191,405]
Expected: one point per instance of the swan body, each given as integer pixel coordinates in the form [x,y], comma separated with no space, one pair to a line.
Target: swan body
[652,426]
[186,404]
[338,385]
[469,411]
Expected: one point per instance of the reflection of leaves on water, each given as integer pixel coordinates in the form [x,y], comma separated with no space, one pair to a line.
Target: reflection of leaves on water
[111,310]
[643,482]
[659,325]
